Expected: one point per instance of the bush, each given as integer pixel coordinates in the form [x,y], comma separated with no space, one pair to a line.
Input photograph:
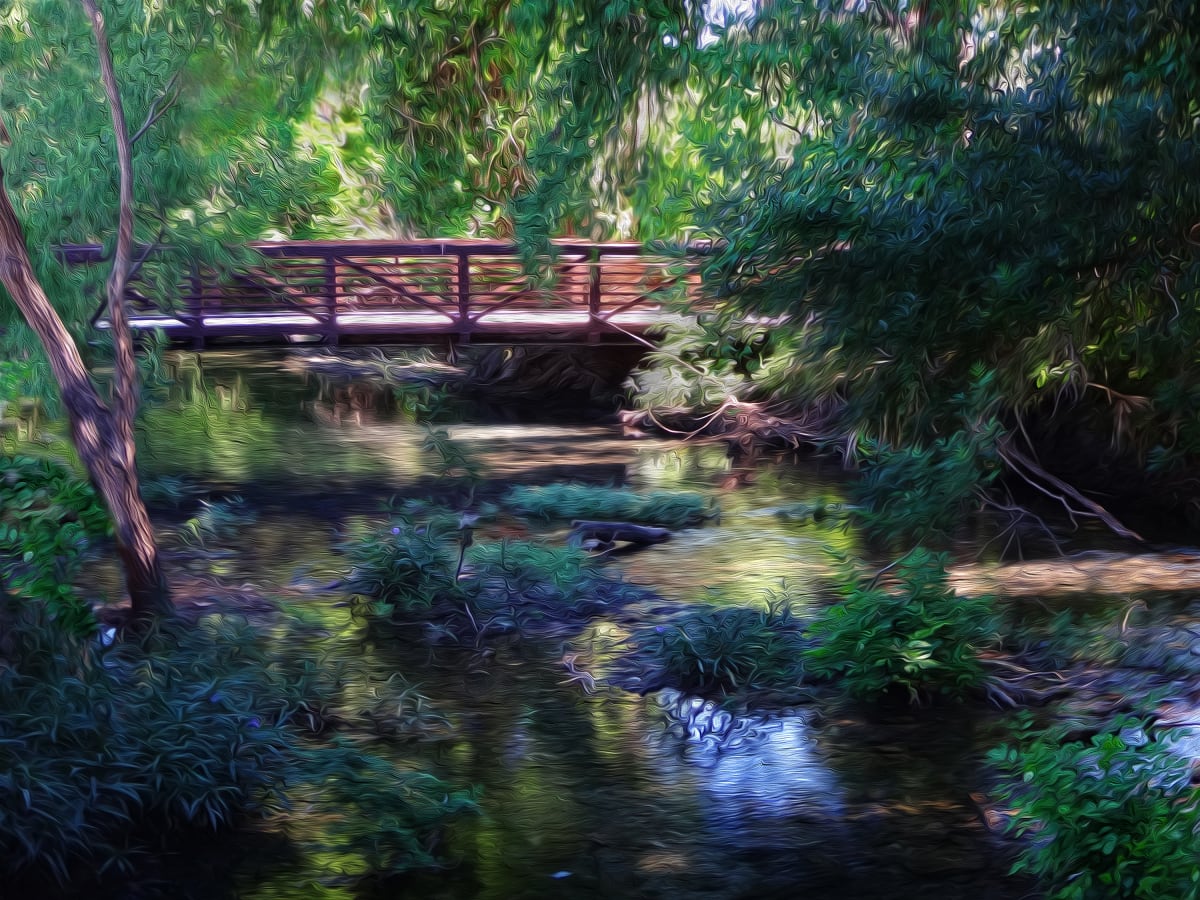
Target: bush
[99,746]
[726,651]
[916,494]
[411,570]
[107,752]
[407,566]
[48,514]
[921,639]
[1111,817]
[510,570]
[671,509]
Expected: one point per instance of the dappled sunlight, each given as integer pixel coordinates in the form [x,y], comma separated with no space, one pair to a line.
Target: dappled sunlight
[1092,572]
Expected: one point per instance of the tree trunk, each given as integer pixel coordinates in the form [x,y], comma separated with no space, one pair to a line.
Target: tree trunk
[109,457]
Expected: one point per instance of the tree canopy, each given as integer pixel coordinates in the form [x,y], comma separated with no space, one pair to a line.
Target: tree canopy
[964,211]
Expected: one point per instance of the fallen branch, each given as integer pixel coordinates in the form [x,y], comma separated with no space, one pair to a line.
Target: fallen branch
[608,533]
[744,423]
[1018,460]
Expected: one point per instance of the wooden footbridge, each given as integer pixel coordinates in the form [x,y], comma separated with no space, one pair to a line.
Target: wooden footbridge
[415,292]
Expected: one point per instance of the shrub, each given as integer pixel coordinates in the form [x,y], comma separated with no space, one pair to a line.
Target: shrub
[100,745]
[106,752]
[919,494]
[672,509]
[411,570]
[921,639]
[524,569]
[407,566]
[1112,817]
[48,515]
[726,651]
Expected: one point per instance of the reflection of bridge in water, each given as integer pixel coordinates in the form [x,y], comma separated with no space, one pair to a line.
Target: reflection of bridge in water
[417,291]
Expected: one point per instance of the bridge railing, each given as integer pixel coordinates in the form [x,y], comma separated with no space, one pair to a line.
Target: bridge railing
[448,287]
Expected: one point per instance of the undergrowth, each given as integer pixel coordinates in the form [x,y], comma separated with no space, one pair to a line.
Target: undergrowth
[1115,816]
[429,569]
[112,752]
[918,638]
[722,651]
[48,517]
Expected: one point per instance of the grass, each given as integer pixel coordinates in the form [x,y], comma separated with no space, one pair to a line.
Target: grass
[728,652]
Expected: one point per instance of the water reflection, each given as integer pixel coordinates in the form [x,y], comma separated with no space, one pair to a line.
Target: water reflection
[583,794]
[749,766]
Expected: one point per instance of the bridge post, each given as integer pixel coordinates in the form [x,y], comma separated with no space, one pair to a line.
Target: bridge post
[594,297]
[195,308]
[464,297]
[329,296]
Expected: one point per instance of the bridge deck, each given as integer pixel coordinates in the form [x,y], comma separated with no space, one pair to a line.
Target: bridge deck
[463,290]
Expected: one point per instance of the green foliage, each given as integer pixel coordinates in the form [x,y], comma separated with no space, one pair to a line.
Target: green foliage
[1111,817]
[102,746]
[672,509]
[904,133]
[920,495]
[920,638]
[21,376]
[221,163]
[702,361]
[171,490]
[519,572]
[407,566]
[48,514]
[727,651]
[452,459]
[428,569]
[216,520]
[110,751]
[404,810]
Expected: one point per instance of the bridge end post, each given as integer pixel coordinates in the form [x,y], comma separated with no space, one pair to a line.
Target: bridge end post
[463,278]
[329,291]
[195,308]
[594,298]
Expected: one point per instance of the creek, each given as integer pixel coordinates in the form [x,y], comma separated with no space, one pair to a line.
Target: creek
[583,791]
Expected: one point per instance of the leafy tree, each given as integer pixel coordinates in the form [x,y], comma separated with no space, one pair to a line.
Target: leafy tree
[475,117]
[1008,189]
[210,153]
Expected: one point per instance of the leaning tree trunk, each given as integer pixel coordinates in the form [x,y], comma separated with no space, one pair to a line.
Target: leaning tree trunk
[106,451]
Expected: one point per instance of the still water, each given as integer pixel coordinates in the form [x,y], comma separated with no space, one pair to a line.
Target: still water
[584,790]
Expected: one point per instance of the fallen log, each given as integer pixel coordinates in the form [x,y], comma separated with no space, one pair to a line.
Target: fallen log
[606,534]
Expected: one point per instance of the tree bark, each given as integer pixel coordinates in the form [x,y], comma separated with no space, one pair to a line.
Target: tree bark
[108,458]
[146,583]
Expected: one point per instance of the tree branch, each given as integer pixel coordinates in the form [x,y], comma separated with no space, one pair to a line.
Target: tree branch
[1018,460]
[124,362]
[156,112]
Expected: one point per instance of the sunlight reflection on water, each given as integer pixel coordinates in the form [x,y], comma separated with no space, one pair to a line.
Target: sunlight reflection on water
[748,766]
